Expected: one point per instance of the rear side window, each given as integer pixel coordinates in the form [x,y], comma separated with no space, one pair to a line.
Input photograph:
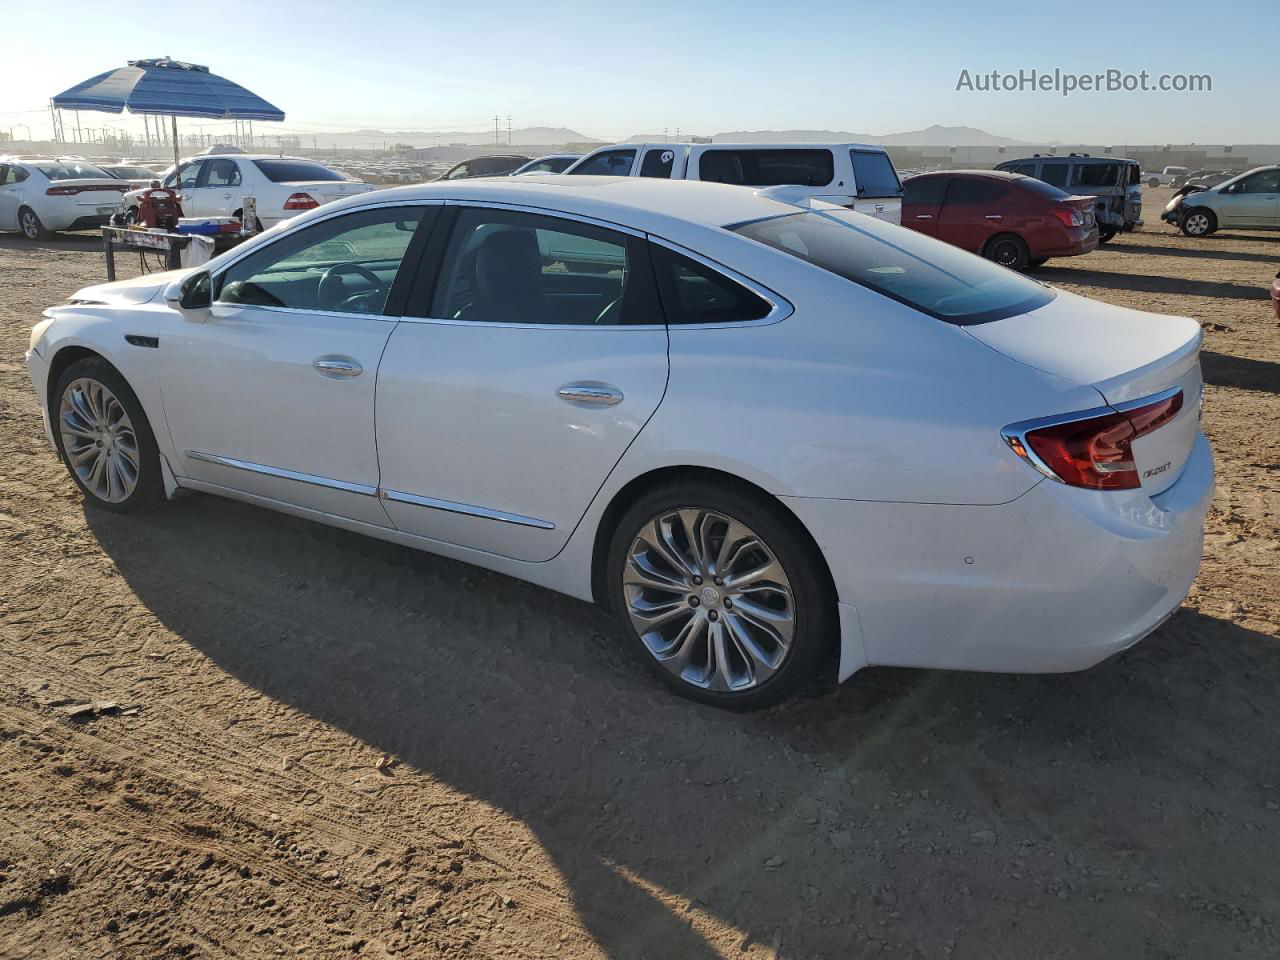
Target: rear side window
[1097,175]
[694,293]
[1135,174]
[925,191]
[874,174]
[1055,173]
[289,171]
[658,163]
[968,191]
[933,277]
[221,173]
[768,168]
[607,163]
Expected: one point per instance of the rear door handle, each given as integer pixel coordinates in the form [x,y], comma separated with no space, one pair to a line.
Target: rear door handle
[994,216]
[924,216]
[598,393]
[337,368]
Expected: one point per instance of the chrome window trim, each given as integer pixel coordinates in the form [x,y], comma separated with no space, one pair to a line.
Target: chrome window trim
[283,474]
[552,212]
[467,509]
[1016,433]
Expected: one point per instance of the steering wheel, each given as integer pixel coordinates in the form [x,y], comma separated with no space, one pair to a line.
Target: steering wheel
[331,294]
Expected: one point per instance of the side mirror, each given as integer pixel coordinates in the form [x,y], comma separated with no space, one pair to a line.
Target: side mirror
[192,296]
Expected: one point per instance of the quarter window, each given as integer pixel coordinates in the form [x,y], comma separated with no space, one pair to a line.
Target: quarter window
[694,293]
[767,168]
[343,265]
[607,163]
[509,267]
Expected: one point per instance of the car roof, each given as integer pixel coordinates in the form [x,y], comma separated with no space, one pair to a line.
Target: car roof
[642,203]
[807,145]
[1069,158]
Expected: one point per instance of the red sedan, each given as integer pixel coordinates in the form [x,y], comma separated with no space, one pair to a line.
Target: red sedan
[1275,295]
[1014,220]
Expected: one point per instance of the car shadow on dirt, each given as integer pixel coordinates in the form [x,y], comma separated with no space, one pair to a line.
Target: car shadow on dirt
[1149,283]
[1223,370]
[910,808]
[1196,253]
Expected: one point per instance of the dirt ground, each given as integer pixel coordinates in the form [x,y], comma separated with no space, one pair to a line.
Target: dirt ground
[345,748]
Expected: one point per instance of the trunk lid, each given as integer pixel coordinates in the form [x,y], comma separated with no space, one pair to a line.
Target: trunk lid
[1126,355]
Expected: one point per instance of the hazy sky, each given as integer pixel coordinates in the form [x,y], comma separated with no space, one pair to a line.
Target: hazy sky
[611,70]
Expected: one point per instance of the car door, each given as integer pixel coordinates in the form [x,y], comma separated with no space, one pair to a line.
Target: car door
[1253,201]
[973,212]
[273,396]
[536,354]
[184,181]
[217,191]
[8,197]
[922,202]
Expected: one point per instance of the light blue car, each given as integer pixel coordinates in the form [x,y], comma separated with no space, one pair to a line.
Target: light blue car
[1250,201]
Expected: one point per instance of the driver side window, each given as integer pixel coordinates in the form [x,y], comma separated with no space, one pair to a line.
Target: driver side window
[346,264]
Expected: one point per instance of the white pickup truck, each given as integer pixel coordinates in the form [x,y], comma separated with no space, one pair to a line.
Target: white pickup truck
[1164,177]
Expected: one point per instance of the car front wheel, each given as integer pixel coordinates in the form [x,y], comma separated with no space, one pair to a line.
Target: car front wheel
[724,596]
[104,438]
[1199,223]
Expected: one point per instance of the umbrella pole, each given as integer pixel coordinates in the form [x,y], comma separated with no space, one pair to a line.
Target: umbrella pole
[177,160]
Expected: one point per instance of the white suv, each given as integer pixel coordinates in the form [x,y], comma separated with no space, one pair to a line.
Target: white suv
[282,187]
[854,175]
[39,195]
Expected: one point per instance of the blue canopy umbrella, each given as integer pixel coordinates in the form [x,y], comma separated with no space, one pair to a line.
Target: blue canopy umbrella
[170,88]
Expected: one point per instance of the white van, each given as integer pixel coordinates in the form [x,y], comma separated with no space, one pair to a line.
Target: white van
[855,175]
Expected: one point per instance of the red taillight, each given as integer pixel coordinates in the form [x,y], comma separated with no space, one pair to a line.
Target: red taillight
[1070,216]
[72,191]
[301,201]
[1094,452]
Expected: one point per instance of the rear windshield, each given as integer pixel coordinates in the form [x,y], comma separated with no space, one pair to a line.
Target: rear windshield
[289,171]
[874,174]
[933,277]
[1046,190]
[70,170]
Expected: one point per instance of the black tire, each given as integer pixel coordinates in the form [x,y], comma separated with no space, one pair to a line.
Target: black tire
[1106,234]
[1198,222]
[149,489]
[813,615]
[1153,182]
[30,226]
[1037,262]
[1008,250]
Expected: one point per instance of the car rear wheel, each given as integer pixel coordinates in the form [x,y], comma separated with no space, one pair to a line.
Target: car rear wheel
[723,595]
[1007,250]
[1198,222]
[31,226]
[104,438]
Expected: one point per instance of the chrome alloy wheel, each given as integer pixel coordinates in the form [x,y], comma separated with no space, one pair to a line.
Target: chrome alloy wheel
[1197,224]
[30,225]
[709,599]
[99,440]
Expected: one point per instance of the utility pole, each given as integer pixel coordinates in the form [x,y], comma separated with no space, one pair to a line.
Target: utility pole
[508,129]
[496,139]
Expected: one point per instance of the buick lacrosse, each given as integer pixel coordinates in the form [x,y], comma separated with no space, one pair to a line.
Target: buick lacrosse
[765,430]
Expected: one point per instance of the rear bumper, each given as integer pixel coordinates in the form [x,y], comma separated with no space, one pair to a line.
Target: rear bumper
[1067,242]
[1055,581]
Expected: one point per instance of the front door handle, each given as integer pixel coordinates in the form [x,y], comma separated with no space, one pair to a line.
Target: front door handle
[924,216]
[598,393]
[337,368]
[995,216]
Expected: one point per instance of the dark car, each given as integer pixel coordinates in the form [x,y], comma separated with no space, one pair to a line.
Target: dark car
[497,165]
[1015,220]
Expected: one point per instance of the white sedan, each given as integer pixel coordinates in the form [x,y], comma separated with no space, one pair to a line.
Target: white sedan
[282,187]
[765,433]
[41,195]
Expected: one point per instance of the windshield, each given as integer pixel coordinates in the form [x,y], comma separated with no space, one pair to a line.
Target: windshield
[290,171]
[933,277]
[70,170]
